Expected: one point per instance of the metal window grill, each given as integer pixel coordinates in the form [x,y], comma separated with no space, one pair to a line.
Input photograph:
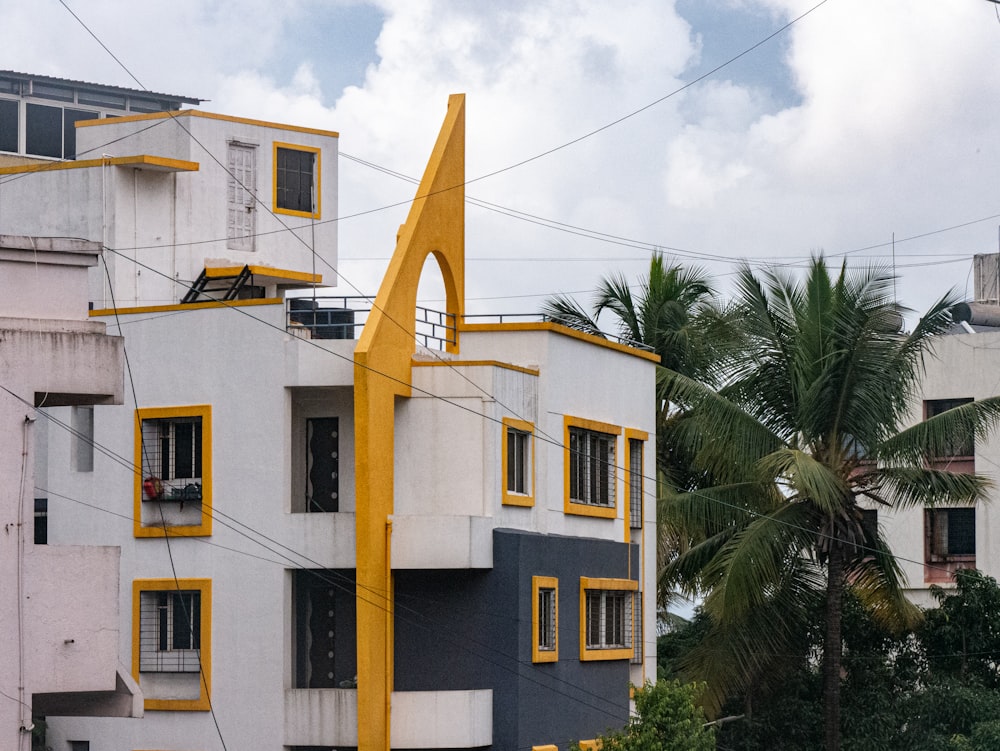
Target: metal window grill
[170,632]
[635,483]
[637,645]
[591,467]
[609,619]
[172,459]
[546,619]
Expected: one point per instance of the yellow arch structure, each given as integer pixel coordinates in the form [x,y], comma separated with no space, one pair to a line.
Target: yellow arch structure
[382,372]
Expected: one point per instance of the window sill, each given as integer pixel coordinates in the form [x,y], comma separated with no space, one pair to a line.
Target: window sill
[587,509]
[589,654]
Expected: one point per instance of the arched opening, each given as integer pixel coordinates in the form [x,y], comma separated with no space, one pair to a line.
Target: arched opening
[436,327]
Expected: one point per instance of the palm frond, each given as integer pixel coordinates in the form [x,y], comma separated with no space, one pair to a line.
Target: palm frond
[909,487]
[566,311]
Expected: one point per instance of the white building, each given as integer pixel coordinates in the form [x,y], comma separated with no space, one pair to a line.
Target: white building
[341,526]
[933,543]
[58,604]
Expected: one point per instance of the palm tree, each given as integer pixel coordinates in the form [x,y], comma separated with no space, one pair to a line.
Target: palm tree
[804,433]
[672,314]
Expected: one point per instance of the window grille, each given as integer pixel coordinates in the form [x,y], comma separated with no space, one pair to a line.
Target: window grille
[170,632]
[546,619]
[172,459]
[635,457]
[637,644]
[609,619]
[591,467]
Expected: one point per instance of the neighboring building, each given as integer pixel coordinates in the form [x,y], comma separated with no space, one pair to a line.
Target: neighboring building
[343,524]
[38,114]
[58,603]
[933,543]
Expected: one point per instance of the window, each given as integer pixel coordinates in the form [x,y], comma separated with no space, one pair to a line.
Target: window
[545,619]
[325,650]
[296,180]
[8,125]
[637,645]
[591,460]
[174,485]
[518,463]
[172,459]
[951,533]
[170,632]
[241,223]
[634,461]
[41,521]
[171,642]
[322,464]
[958,454]
[606,622]
[51,131]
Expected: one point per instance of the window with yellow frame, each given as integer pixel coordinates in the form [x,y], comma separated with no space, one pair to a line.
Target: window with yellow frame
[544,619]
[606,618]
[635,441]
[518,462]
[296,180]
[173,478]
[172,642]
[590,467]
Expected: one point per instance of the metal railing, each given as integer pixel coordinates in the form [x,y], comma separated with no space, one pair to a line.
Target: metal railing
[343,317]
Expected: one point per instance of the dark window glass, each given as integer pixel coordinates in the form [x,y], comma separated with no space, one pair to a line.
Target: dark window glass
[961,531]
[10,86]
[70,118]
[958,445]
[8,125]
[41,521]
[295,180]
[43,130]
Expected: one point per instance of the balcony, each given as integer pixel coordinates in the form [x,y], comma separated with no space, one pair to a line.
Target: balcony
[420,719]
[340,317]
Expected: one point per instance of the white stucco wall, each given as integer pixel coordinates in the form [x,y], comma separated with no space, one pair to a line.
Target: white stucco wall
[963,365]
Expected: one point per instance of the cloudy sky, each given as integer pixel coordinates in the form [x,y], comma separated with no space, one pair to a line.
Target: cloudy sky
[859,123]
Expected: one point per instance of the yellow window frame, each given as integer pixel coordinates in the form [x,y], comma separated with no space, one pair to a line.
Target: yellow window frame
[511,498]
[539,583]
[630,435]
[204,528]
[317,152]
[204,586]
[586,509]
[588,583]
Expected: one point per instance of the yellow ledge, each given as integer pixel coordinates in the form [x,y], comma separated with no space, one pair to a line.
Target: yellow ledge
[558,328]
[139,161]
[186,306]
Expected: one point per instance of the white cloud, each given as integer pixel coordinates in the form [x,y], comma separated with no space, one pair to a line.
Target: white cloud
[895,130]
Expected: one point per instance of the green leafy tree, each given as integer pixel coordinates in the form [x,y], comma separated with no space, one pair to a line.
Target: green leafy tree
[667,718]
[806,430]
[673,312]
